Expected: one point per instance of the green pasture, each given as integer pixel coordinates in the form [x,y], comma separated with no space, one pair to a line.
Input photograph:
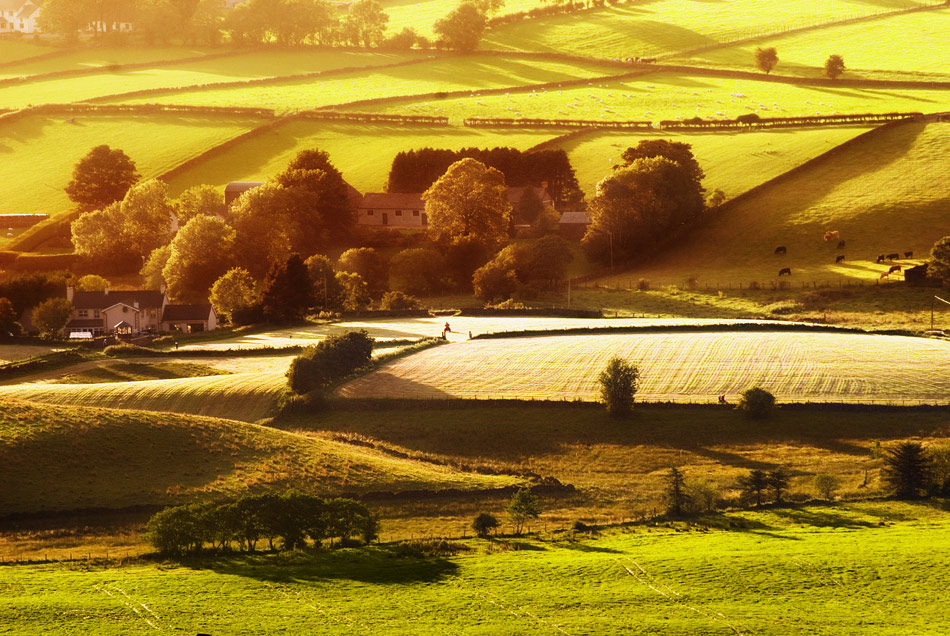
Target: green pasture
[100,58]
[733,161]
[917,38]
[668,96]
[39,152]
[665,27]
[420,15]
[874,569]
[887,194]
[138,371]
[103,82]
[12,49]
[473,72]
[362,152]
[61,458]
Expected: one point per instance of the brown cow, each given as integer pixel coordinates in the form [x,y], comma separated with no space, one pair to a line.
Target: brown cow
[780,249]
[894,268]
[908,255]
[893,257]
[785,271]
[839,259]
[840,245]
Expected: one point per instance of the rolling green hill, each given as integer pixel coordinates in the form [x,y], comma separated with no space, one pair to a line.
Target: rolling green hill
[63,458]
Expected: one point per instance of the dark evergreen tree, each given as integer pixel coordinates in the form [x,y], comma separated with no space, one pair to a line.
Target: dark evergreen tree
[288,291]
[778,483]
[908,470]
[677,499]
[754,486]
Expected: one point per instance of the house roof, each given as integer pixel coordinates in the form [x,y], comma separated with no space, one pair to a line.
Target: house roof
[123,325]
[514,193]
[353,194]
[579,218]
[85,323]
[11,5]
[103,300]
[27,11]
[175,313]
[391,201]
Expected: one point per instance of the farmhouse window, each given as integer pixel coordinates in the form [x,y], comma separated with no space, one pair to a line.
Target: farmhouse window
[398,212]
[415,213]
[369,213]
[95,313]
[83,313]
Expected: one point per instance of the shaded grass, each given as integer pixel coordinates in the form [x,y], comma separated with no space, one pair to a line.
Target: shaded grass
[56,458]
[135,371]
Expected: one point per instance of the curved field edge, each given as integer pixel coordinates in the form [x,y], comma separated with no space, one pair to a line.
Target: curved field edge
[67,458]
[695,367]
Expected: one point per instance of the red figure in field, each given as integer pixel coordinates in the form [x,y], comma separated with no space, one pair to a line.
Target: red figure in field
[446,330]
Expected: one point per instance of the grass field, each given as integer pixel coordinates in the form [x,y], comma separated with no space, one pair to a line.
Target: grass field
[812,367]
[12,50]
[664,27]
[860,45]
[446,74]
[9,353]
[661,96]
[886,194]
[94,58]
[803,570]
[733,162]
[348,145]
[103,458]
[40,151]
[139,371]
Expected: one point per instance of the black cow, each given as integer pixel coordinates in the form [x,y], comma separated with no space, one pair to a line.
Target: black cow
[780,249]
[908,255]
[840,245]
[893,257]
[839,259]
[880,258]
[785,271]
[894,268]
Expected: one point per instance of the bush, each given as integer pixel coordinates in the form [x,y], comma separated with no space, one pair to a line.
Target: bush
[416,271]
[329,361]
[51,315]
[395,300]
[523,507]
[484,524]
[618,385]
[826,485]
[756,403]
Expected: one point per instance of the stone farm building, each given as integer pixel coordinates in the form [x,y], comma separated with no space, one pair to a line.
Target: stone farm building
[129,312]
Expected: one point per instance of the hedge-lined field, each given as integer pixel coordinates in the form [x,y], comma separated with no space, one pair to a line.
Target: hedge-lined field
[661,96]
[669,26]
[40,151]
[885,194]
[100,57]
[808,569]
[811,367]
[420,15]
[362,152]
[445,74]
[733,162]
[236,68]
[67,458]
[918,38]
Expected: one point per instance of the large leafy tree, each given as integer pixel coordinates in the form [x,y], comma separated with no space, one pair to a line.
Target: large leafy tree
[327,292]
[234,290]
[765,59]
[261,219]
[321,211]
[365,23]
[200,199]
[288,291]
[834,66]
[102,177]
[64,18]
[200,254]
[939,266]
[468,203]
[619,382]
[462,28]
[51,315]
[641,206]
[366,262]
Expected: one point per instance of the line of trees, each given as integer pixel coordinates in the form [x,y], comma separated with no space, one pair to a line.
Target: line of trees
[286,521]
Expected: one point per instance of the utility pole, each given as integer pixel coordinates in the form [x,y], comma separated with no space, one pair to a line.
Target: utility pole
[932,300]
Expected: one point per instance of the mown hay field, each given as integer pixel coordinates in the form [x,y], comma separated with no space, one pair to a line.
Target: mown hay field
[670,26]
[667,96]
[348,144]
[691,367]
[69,458]
[809,569]
[40,151]
[888,193]
[103,82]
[918,40]
[456,73]
[97,58]
[733,162]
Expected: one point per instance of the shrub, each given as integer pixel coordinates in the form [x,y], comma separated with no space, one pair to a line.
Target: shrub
[618,385]
[395,300]
[416,271]
[329,361]
[523,507]
[826,485]
[643,284]
[51,315]
[756,403]
[484,524]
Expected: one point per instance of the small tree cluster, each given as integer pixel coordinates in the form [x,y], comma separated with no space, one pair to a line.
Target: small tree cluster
[756,403]
[291,519]
[484,524]
[759,484]
[618,386]
[523,507]
[523,270]
[329,361]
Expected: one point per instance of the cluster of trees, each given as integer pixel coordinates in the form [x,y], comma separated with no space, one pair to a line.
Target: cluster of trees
[524,506]
[652,199]
[193,21]
[329,361]
[522,270]
[417,170]
[939,265]
[766,59]
[291,519]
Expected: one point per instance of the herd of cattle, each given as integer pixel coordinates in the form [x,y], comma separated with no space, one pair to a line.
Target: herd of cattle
[782,250]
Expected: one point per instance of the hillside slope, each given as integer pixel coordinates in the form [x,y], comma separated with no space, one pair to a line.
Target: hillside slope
[62,458]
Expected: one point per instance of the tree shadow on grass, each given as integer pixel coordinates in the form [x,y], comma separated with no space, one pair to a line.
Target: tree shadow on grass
[583,547]
[367,565]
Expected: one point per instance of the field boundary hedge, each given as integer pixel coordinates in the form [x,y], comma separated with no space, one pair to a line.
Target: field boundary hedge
[132,109]
[42,232]
[748,326]
[373,118]
[22,220]
[540,312]
[258,81]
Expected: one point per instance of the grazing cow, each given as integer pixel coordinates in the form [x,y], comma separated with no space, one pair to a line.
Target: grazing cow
[908,255]
[839,259]
[880,258]
[780,249]
[785,271]
[894,268]
[893,257]
[831,236]
[840,245]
